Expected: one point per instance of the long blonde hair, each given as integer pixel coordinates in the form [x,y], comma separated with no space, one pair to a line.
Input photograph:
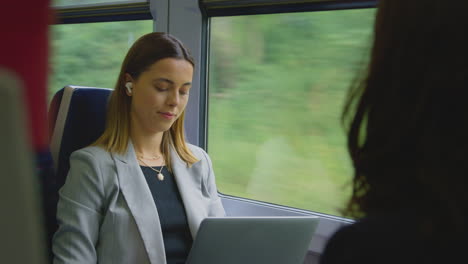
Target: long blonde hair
[146,51]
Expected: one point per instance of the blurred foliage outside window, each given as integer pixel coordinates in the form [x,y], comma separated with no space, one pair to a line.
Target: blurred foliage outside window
[277,87]
[91,54]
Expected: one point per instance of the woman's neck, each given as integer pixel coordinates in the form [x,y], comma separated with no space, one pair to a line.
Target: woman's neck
[146,145]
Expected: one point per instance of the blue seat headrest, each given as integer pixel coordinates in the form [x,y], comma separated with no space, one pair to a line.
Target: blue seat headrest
[80,121]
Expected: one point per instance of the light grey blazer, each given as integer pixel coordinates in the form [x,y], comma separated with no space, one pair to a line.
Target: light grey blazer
[107,214]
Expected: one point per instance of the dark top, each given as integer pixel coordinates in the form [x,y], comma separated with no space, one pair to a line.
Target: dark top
[171,210]
[404,237]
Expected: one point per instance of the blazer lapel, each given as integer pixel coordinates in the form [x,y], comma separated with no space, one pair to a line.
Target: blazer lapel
[140,201]
[189,181]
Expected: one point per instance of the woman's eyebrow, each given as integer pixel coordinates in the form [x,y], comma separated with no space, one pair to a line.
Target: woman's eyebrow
[170,81]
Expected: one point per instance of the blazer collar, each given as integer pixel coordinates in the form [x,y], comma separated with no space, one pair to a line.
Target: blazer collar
[139,199]
[189,183]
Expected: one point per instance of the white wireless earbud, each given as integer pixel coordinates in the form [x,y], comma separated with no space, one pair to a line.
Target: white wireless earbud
[129,87]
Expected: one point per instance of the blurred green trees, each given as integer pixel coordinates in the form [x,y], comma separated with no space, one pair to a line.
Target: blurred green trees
[277,86]
[91,54]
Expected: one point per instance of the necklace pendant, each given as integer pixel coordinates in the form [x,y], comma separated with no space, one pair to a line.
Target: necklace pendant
[160,176]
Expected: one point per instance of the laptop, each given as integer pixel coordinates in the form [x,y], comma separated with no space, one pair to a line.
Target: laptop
[253,240]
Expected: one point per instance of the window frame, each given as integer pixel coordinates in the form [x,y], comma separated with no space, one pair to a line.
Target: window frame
[255,7]
[240,206]
[111,12]
[311,6]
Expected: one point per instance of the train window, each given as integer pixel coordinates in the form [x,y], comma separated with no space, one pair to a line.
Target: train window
[68,3]
[276,88]
[91,54]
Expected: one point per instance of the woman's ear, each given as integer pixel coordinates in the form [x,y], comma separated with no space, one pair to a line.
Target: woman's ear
[128,84]
[129,87]
[128,78]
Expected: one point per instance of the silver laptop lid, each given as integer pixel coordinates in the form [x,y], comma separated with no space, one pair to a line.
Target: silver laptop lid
[249,240]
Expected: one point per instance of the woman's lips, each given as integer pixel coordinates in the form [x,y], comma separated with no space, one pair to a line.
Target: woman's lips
[167,115]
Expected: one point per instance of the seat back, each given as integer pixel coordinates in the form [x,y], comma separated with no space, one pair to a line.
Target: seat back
[22,239]
[79,121]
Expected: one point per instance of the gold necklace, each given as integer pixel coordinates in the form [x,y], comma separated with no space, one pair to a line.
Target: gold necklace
[159,173]
[150,158]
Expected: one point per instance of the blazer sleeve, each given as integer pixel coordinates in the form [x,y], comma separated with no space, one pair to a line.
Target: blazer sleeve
[216,208]
[79,211]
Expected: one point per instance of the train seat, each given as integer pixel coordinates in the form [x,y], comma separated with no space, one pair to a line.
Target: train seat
[77,117]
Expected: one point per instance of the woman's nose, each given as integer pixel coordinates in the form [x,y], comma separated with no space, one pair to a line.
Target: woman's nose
[173,99]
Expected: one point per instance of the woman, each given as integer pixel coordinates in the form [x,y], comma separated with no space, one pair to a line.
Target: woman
[139,193]
[408,124]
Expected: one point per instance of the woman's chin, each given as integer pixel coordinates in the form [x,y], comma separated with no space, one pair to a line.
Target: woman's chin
[160,129]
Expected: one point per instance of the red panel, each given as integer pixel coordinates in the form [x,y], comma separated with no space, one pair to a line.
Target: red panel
[24,50]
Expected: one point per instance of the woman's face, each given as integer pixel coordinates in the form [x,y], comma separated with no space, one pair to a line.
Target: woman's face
[160,94]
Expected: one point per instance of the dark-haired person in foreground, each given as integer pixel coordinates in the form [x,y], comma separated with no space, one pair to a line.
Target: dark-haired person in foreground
[139,193]
[407,124]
